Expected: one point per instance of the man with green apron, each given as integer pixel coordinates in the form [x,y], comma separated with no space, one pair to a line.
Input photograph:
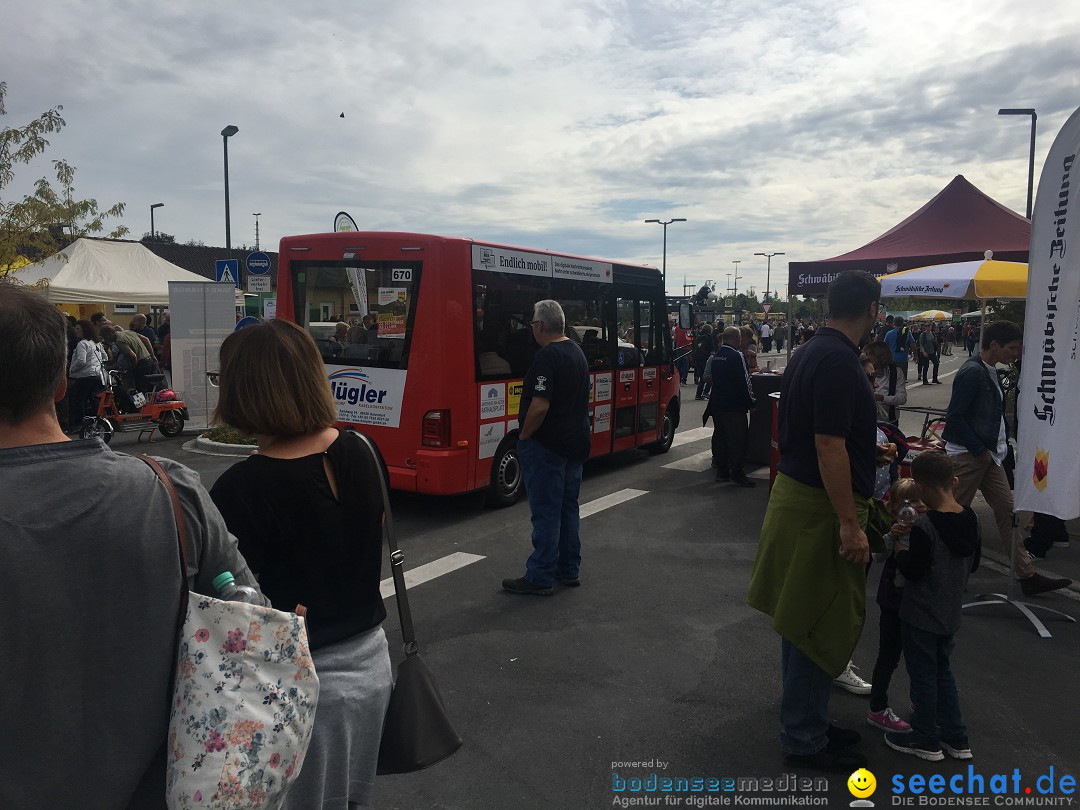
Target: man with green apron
[810,574]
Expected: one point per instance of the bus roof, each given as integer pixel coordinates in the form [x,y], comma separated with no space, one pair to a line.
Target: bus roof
[357,237]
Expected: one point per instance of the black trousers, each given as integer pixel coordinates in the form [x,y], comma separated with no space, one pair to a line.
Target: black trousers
[1045,531]
[926,362]
[730,431]
[890,648]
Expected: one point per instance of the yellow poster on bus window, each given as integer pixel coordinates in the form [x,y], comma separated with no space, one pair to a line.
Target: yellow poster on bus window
[513,397]
[391,325]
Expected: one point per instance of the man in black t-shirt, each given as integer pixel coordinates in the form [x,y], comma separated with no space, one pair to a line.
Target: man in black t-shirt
[809,575]
[553,444]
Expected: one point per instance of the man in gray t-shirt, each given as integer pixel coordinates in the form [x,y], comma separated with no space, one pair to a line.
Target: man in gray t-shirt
[90,588]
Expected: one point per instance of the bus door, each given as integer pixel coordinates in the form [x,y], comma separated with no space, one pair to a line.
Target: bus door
[650,349]
[627,376]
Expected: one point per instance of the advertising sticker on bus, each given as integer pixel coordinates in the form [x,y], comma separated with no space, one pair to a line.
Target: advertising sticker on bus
[490,436]
[602,419]
[492,401]
[603,387]
[367,396]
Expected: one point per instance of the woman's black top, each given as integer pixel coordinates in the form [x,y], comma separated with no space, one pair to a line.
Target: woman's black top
[307,546]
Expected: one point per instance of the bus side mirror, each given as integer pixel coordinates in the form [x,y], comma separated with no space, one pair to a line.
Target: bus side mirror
[686,315]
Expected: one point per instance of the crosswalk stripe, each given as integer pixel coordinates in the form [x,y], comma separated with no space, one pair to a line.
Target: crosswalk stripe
[608,501]
[431,570]
[699,462]
[692,435]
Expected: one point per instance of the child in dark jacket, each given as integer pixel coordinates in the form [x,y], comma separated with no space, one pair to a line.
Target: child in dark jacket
[945,548]
[889,593]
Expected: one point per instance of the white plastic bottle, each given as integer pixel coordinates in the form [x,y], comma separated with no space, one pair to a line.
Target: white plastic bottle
[225,585]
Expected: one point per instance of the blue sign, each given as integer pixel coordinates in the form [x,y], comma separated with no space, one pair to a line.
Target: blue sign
[258,263]
[250,320]
[228,271]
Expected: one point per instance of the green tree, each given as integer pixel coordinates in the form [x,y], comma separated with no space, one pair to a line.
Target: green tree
[43,222]
[160,236]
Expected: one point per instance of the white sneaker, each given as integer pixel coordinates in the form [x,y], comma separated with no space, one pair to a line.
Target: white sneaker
[852,682]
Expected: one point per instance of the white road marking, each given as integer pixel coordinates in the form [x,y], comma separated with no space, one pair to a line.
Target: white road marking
[608,501]
[947,374]
[699,462]
[428,571]
[692,435]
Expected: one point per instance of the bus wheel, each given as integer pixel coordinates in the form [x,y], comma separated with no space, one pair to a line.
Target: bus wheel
[667,435]
[97,428]
[506,478]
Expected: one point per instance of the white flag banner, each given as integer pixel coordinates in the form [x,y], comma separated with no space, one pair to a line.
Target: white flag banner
[1048,435]
[358,280]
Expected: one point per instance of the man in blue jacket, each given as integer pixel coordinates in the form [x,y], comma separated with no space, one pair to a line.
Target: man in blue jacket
[976,440]
[900,343]
[729,402]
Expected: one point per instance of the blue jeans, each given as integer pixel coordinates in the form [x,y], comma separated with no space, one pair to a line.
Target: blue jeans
[553,484]
[804,706]
[684,368]
[935,707]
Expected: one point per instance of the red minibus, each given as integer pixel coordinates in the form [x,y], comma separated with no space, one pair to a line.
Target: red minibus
[437,343]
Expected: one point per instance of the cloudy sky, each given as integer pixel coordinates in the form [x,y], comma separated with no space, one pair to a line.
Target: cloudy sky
[805,127]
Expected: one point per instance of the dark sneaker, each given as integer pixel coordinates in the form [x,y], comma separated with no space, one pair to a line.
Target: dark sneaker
[906,744]
[957,749]
[1037,583]
[522,585]
[1061,543]
[825,760]
[841,738]
[1037,554]
[742,480]
[569,582]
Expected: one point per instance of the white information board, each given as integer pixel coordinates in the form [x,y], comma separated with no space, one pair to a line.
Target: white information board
[203,315]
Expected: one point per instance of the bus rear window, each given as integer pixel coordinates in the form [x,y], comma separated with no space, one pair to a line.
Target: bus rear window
[359,312]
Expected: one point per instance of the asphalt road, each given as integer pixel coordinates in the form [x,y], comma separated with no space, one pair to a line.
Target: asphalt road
[656,664]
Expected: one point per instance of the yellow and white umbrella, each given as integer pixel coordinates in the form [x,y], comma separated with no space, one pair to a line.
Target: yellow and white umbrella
[932,315]
[975,280]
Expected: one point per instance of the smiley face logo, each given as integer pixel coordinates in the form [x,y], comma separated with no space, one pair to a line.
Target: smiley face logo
[862,784]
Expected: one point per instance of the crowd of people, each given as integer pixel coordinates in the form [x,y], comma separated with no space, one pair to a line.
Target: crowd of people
[319,551]
[835,467]
[96,346]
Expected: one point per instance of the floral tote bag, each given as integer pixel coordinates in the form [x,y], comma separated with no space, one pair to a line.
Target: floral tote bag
[244,700]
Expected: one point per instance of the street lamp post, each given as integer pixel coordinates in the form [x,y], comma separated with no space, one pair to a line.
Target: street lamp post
[735,293]
[1031,153]
[227,133]
[153,232]
[665,223]
[768,269]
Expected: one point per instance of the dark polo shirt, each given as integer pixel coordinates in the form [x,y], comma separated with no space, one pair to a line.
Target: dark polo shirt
[825,390]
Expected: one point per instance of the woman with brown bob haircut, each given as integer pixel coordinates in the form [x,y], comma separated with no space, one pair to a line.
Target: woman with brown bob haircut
[307,514]
[281,360]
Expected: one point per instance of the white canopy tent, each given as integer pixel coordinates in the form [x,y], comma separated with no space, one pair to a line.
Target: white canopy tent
[90,271]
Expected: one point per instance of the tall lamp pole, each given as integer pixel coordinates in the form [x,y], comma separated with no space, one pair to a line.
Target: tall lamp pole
[227,133]
[768,269]
[1031,154]
[665,223]
[735,291]
[153,232]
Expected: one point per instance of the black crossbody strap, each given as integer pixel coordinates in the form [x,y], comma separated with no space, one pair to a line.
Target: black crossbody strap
[397,557]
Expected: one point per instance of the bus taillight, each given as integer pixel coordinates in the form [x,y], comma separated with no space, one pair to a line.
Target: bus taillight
[436,429]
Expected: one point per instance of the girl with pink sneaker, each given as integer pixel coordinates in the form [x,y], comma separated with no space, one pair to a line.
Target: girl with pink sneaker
[890,590]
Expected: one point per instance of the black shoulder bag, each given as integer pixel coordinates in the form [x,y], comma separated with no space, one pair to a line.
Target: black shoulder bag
[417,732]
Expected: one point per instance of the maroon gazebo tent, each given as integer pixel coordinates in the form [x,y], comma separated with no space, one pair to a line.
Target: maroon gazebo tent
[959,224]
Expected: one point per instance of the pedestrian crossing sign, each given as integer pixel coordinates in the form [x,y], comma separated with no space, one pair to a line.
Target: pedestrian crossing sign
[227,271]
